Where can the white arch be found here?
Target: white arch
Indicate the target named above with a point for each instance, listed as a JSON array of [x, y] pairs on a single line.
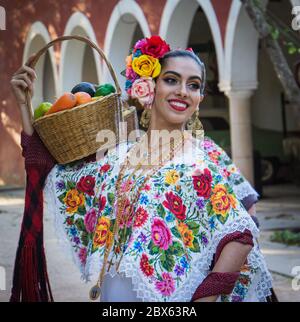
[[176, 23], [119, 34], [37, 38], [240, 50], [72, 52]]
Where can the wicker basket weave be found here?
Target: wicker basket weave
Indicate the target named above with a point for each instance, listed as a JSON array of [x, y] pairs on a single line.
[[70, 135]]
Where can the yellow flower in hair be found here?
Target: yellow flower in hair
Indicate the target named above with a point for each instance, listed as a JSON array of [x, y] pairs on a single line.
[[146, 66]]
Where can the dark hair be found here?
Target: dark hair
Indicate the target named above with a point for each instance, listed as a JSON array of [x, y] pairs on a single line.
[[190, 54]]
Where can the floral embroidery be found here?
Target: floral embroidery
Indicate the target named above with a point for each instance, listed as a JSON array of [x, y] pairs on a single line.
[[160, 234], [222, 200], [146, 268], [202, 183], [175, 205], [86, 184], [103, 234], [186, 234], [167, 285], [241, 286], [90, 220], [214, 156], [172, 177], [141, 217], [175, 219], [73, 200]]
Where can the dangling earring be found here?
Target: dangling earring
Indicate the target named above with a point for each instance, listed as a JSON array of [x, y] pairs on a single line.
[[195, 125], [145, 118]]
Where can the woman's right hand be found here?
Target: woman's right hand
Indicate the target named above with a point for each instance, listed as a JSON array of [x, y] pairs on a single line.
[[23, 79]]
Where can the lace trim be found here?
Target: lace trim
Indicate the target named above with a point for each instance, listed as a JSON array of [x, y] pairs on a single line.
[[244, 190]]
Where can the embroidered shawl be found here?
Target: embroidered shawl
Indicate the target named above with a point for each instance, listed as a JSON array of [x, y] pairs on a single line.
[[184, 211]]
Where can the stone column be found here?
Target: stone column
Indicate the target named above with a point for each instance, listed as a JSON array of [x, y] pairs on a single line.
[[241, 131]]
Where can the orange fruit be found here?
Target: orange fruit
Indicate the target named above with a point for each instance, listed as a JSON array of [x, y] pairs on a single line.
[[82, 98], [66, 101]]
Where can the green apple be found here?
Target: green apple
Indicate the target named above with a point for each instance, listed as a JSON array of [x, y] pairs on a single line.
[[41, 109]]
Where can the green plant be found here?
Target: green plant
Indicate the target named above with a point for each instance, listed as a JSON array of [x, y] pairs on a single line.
[[286, 237]]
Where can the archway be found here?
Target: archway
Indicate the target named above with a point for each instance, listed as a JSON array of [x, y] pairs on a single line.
[[186, 14], [78, 62], [126, 25], [45, 88]]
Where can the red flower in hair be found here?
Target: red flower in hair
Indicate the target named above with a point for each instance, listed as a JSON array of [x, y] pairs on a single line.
[[155, 47], [190, 49]]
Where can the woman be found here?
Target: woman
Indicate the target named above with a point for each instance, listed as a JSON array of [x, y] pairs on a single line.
[[168, 220]]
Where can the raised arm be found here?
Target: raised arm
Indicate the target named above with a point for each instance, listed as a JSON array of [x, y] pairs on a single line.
[[22, 80], [37, 157]]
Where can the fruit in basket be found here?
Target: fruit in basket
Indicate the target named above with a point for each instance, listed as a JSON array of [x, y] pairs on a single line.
[[84, 87], [65, 102], [82, 98], [41, 110], [105, 89], [95, 98]]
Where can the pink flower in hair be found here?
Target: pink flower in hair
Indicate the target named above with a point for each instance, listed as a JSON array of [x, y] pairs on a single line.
[[130, 74], [140, 44], [143, 90]]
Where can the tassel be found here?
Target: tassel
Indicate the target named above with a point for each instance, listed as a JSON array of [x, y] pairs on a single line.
[[31, 282]]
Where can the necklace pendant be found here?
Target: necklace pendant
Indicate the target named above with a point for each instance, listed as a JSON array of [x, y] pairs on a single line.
[[95, 292]]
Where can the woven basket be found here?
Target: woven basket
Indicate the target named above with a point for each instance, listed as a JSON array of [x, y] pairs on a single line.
[[70, 135]]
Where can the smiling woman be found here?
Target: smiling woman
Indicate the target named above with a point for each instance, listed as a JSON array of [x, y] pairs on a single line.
[[161, 219]]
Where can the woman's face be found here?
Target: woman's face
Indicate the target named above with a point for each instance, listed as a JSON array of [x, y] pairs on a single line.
[[177, 92]]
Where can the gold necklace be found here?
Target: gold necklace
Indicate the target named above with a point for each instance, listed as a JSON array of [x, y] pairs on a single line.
[[95, 291], [153, 170]]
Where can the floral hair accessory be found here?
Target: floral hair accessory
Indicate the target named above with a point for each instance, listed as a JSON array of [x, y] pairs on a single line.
[[143, 90], [190, 49], [142, 67]]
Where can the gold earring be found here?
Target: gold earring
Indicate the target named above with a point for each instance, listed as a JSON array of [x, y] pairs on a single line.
[[194, 124], [145, 118]]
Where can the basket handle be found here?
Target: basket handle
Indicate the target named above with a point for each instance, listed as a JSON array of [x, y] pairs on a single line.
[[31, 62]]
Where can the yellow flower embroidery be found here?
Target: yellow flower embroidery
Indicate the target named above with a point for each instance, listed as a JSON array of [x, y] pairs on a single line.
[[172, 177], [186, 234], [73, 200], [221, 200], [102, 233]]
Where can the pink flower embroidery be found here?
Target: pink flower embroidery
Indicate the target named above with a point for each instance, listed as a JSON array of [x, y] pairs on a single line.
[[207, 144], [90, 220], [167, 286], [161, 234], [127, 215], [82, 255]]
